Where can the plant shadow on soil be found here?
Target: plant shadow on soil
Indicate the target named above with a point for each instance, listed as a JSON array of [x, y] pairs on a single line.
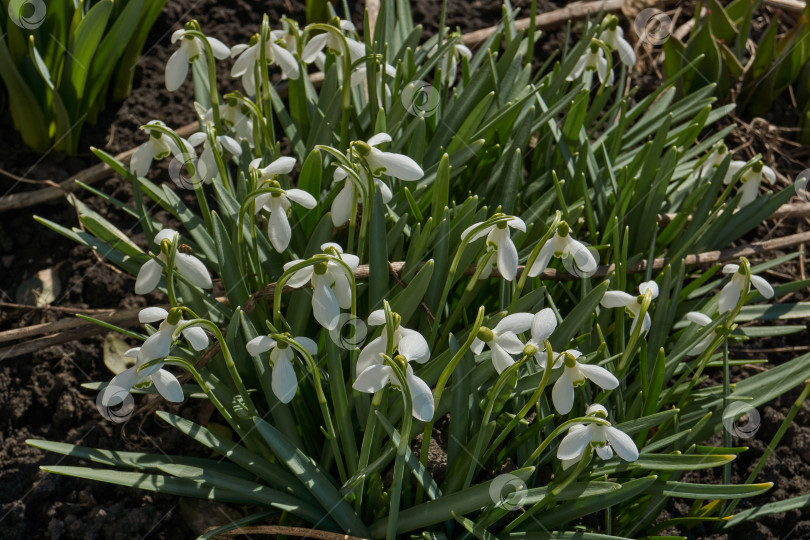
[[40, 393]]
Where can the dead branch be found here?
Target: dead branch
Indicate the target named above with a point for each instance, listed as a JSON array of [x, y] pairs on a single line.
[[290, 531]]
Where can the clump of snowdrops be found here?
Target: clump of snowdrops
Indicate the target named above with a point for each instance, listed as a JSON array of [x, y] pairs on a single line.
[[423, 251]]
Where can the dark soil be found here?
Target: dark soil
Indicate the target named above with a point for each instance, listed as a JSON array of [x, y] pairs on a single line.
[[40, 394]]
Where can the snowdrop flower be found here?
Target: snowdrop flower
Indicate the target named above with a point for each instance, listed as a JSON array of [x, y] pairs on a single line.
[[502, 340], [313, 50], [499, 241], [592, 60], [581, 438], [730, 294], [279, 202], [574, 375], [750, 179], [158, 146], [562, 246], [207, 164], [342, 204], [332, 288], [410, 344], [360, 77], [375, 374], [191, 47], [160, 343], [700, 319], [122, 384], [544, 323], [188, 266], [632, 304], [285, 382], [249, 56], [713, 160], [613, 37], [235, 118]]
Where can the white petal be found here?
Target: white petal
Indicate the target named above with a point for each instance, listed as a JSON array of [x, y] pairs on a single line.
[[517, 323], [768, 174], [192, 268], [325, 306], [373, 378], [259, 345], [156, 346], [477, 346], [622, 444], [379, 139], [574, 443], [310, 346], [614, 299], [543, 325], [313, 47], [301, 197], [421, 398], [600, 376], [385, 191], [510, 343], [582, 256], [168, 386], [283, 165], [237, 50], [731, 268], [651, 286], [517, 223], [370, 355], [177, 34], [698, 318], [626, 53], [342, 205], [118, 388], [343, 290], [152, 314], [148, 277], [220, 50], [395, 165], [230, 144], [604, 452], [543, 258], [176, 69], [507, 259], [285, 382], [750, 190], [377, 317], [500, 358], [196, 139], [563, 394], [300, 277], [286, 61], [728, 297], [278, 229], [762, 286], [196, 337], [483, 232], [601, 68], [579, 67], [141, 160], [414, 347]]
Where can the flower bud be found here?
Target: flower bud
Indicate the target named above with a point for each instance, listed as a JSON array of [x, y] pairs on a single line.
[[485, 334]]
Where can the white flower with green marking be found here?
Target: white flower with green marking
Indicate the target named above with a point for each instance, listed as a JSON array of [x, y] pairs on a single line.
[[284, 380], [592, 60], [502, 340], [584, 438], [574, 375], [186, 265], [750, 180], [632, 304], [564, 246], [729, 295], [158, 146], [122, 384], [191, 47], [499, 246], [249, 58], [613, 37]]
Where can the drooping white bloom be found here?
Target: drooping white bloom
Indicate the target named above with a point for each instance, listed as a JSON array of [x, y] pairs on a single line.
[[563, 246], [451, 60], [592, 60], [499, 241], [249, 56], [207, 164], [632, 304], [278, 203], [122, 384], [544, 323], [160, 343], [582, 438], [730, 294], [574, 375], [503, 340], [379, 163], [613, 37], [700, 319], [191, 47], [158, 146], [374, 374], [332, 288], [313, 50], [415, 347], [187, 265], [713, 160], [235, 118], [360, 77], [750, 180], [284, 382]]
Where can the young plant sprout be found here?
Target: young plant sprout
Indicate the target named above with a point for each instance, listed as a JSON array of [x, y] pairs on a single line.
[[604, 438], [633, 304], [284, 380], [187, 266], [498, 245], [573, 376]]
